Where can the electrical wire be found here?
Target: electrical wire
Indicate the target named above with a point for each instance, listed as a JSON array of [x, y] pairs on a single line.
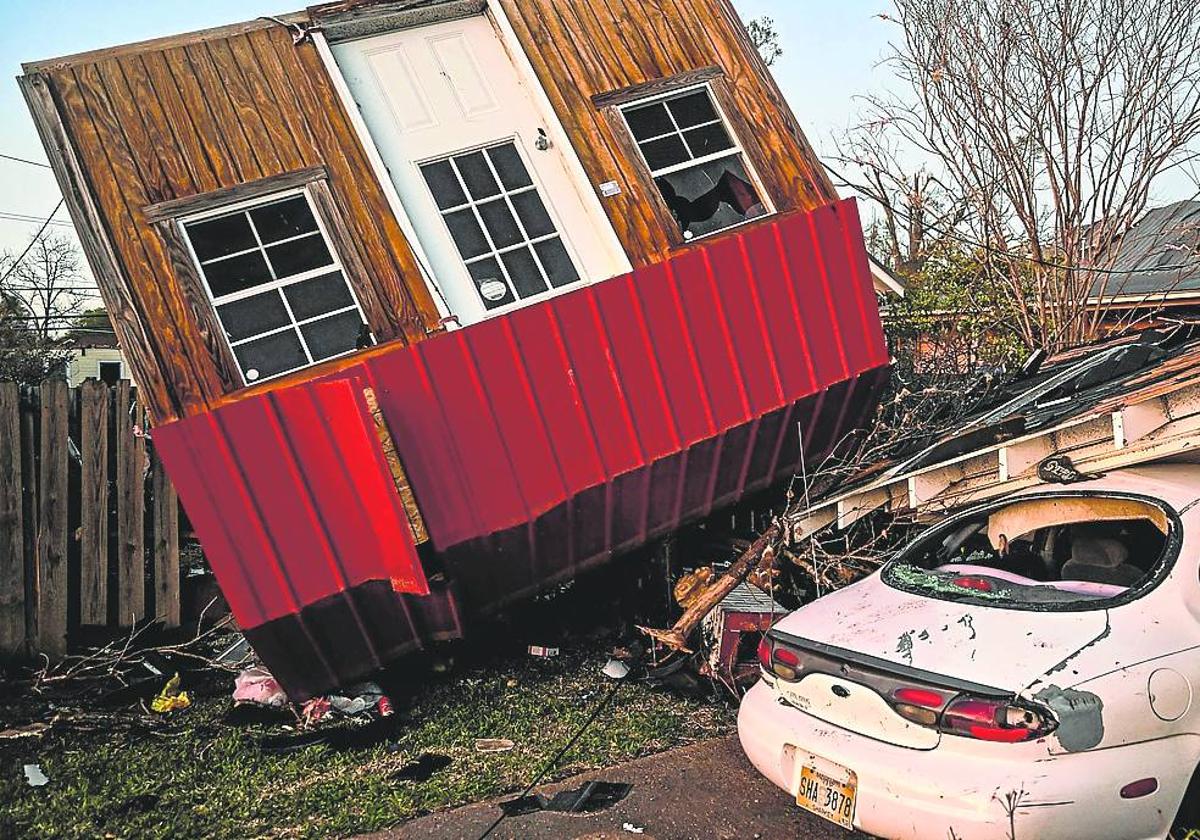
[[557, 757], [22, 217], [32, 242], [846, 182], [25, 160]]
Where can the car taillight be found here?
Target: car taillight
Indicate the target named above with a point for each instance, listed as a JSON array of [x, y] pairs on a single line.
[[764, 653], [919, 705], [988, 719]]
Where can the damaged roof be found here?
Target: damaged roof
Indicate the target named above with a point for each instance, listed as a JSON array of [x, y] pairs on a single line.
[[1158, 259], [1123, 401]]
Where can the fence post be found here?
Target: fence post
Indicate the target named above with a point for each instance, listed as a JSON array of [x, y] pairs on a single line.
[[131, 510], [12, 538], [52, 520], [93, 516], [166, 547]]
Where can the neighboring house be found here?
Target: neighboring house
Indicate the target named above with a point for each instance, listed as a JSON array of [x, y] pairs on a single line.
[[527, 283], [1155, 265], [95, 355]]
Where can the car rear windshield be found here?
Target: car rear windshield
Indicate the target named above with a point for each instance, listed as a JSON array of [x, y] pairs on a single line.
[[1066, 552]]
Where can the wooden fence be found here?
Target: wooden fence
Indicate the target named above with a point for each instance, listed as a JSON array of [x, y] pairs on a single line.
[[89, 528]]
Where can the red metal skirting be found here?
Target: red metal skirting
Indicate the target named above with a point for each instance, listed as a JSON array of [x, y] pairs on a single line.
[[539, 442]]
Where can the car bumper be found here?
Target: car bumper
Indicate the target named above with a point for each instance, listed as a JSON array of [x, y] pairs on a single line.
[[959, 789]]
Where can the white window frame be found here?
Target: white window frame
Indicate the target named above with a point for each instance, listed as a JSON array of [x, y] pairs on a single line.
[[735, 150], [495, 253], [276, 283]]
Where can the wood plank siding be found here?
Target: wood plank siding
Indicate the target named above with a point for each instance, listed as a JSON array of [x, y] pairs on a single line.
[[187, 116], [136, 131], [585, 50]]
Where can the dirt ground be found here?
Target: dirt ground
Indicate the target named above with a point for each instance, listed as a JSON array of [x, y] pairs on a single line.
[[703, 790]]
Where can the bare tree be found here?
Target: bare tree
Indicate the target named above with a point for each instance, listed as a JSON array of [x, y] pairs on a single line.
[[49, 283], [1042, 125], [765, 38]]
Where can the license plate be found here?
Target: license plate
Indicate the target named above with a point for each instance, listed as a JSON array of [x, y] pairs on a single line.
[[828, 796]]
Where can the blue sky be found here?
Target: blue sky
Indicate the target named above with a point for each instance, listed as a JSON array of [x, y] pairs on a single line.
[[830, 54]]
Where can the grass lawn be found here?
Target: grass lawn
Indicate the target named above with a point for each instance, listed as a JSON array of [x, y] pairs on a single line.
[[194, 775]]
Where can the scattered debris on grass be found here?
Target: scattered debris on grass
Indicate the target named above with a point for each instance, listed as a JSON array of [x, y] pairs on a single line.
[[493, 745], [34, 775], [171, 698]]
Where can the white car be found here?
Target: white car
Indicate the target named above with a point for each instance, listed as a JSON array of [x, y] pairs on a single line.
[[1024, 669]]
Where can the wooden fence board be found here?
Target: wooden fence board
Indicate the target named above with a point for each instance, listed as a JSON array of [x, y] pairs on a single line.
[[131, 511], [165, 547], [12, 537], [93, 520], [52, 524]]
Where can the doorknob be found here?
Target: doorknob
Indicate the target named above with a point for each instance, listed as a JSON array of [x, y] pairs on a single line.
[[542, 143]]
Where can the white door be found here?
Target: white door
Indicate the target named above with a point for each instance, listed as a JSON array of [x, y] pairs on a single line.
[[492, 201]]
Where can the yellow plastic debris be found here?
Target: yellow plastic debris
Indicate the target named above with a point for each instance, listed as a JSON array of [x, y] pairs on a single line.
[[170, 698]]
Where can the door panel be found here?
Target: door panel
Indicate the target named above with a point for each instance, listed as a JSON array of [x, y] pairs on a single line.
[[498, 214]]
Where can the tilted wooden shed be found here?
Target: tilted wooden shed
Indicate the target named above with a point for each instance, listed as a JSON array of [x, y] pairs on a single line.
[[435, 304]]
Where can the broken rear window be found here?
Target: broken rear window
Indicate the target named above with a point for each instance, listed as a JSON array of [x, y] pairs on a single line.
[[1043, 552]]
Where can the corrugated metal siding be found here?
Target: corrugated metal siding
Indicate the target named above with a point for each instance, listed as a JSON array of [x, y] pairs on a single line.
[[540, 442]]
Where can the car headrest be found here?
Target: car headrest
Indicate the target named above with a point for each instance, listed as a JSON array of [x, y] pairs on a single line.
[[1098, 551]]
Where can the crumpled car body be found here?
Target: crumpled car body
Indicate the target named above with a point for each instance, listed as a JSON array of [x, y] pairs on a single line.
[[1005, 674]]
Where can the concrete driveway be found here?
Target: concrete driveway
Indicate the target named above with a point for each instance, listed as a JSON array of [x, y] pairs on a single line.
[[704, 790]]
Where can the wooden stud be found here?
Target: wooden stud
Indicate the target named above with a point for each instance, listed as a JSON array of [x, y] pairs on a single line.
[[415, 521]]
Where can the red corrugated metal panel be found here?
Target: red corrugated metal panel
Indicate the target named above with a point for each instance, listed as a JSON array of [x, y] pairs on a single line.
[[540, 442], [294, 505]]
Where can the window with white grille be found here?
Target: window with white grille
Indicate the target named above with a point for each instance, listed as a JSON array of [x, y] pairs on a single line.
[[280, 293], [500, 225], [695, 161]]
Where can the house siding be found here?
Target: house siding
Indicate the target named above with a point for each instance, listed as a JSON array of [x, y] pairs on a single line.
[[208, 113], [586, 49]]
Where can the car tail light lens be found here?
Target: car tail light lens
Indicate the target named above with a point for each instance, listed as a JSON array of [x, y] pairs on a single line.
[[785, 662], [988, 719], [919, 705], [764, 653]]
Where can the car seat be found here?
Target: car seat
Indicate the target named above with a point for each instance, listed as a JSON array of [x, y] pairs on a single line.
[[1100, 560]]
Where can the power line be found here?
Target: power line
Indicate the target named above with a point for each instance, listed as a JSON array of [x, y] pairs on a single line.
[[26, 160], [22, 217], [957, 237], [29, 247]]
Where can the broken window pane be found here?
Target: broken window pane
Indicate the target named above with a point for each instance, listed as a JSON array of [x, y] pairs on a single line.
[[1042, 551], [695, 161], [711, 196]]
